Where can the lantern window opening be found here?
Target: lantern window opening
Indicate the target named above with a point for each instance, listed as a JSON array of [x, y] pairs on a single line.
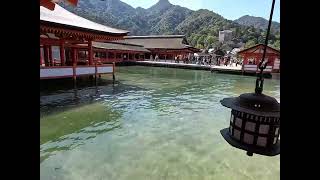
[[252, 132]]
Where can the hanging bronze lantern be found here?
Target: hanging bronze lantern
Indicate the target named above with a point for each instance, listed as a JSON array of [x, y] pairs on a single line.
[[255, 117], [254, 123]]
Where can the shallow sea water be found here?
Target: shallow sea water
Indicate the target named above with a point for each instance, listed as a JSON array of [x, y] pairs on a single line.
[[153, 123]]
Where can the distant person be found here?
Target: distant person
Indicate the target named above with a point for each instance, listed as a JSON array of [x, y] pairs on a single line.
[[151, 57], [189, 58], [156, 58]]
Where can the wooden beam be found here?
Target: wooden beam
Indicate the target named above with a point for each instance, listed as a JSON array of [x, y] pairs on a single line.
[[78, 33], [57, 42]]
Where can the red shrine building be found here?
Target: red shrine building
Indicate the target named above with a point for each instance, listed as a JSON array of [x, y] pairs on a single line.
[[253, 55], [51, 4], [72, 46], [165, 46], [66, 43], [118, 52]]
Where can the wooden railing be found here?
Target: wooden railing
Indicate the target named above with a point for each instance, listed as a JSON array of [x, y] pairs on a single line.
[[254, 68], [55, 72]]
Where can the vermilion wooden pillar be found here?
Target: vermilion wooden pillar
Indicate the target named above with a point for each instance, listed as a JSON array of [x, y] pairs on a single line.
[[90, 52], [74, 63], [62, 53], [50, 56], [245, 59], [74, 56], [46, 55], [41, 58], [107, 56], [271, 60]]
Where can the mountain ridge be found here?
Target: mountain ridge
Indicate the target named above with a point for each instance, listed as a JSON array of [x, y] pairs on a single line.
[[165, 18], [257, 22]]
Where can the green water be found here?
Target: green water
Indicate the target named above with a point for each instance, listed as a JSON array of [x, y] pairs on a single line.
[[154, 123]]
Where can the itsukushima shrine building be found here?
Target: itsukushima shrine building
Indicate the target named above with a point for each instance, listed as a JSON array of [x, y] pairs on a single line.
[[109, 52], [134, 48], [72, 46], [165, 46], [253, 55], [72, 38]]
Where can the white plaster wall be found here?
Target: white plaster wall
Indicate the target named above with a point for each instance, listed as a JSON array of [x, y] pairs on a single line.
[[54, 72], [85, 70], [107, 69]]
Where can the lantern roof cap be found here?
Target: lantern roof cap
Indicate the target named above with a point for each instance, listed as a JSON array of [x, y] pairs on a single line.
[[253, 103]]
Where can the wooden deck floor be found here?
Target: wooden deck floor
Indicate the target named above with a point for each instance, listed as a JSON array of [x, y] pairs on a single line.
[[230, 69]]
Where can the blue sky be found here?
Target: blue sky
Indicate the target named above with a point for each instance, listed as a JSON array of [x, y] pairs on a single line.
[[230, 9]]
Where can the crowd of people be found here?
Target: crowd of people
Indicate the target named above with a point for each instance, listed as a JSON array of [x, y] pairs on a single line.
[[202, 60], [220, 61]]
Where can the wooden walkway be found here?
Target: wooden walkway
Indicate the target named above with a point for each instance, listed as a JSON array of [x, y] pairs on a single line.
[[223, 69]]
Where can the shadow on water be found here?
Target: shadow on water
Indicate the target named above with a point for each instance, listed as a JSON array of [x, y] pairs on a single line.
[[70, 116], [61, 94]]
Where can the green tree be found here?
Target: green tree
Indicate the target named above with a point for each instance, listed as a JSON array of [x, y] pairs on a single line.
[[210, 40], [276, 44], [201, 40], [226, 47], [199, 46], [250, 43], [194, 40]]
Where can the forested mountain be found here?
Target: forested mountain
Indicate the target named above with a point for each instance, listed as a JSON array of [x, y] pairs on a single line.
[[201, 27], [258, 22]]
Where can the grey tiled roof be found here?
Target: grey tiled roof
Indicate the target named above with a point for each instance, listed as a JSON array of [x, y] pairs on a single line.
[[158, 41], [119, 46]]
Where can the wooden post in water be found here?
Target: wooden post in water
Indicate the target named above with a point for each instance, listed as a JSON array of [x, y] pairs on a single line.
[[41, 58], [74, 65], [113, 76], [95, 71], [90, 52]]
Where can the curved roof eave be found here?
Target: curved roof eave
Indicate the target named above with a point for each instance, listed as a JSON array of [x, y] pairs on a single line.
[[63, 17]]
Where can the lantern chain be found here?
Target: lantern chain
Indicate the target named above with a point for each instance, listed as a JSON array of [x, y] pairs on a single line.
[[263, 64]]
